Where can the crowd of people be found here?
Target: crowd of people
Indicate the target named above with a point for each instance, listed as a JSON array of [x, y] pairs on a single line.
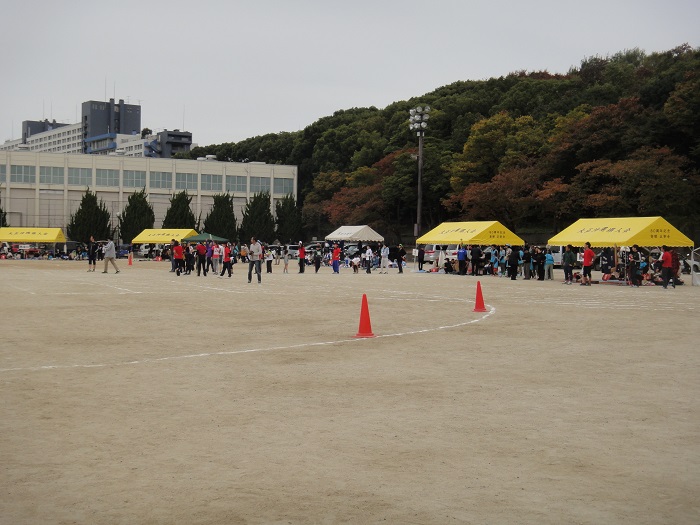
[[631, 265]]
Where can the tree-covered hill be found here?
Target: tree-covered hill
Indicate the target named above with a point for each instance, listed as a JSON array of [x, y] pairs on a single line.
[[616, 136]]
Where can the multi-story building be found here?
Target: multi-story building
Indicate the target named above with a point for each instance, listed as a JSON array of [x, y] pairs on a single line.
[[103, 128], [40, 189]]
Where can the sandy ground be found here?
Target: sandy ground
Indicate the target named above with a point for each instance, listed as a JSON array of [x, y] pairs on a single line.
[[146, 398]]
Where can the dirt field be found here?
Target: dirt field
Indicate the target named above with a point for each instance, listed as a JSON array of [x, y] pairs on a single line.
[[143, 398]]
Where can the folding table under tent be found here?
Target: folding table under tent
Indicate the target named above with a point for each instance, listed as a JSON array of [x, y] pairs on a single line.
[[32, 235], [355, 234], [622, 231], [481, 233], [162, 236]]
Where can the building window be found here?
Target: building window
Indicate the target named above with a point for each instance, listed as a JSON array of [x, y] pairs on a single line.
[[51, 175], [107, 178], [134, 179], [24, 174], [186, 181], [212, 182], [284, 186], [79, 176], [162, 179], [259, 184], [236, 183], [3, 175]]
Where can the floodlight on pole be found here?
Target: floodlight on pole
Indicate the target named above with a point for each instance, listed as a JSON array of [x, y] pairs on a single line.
[[418, 122]]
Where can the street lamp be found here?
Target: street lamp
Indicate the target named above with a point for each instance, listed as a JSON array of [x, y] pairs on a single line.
[[418, 123]]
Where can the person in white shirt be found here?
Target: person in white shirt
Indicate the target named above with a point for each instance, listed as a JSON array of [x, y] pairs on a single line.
[[254, 256], [268, 260], [369, 255], [384, 252]]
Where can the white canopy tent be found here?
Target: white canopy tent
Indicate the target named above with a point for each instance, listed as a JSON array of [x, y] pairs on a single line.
[[355, 234]]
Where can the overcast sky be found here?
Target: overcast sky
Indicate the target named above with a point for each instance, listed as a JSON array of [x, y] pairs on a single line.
[[226, 70]]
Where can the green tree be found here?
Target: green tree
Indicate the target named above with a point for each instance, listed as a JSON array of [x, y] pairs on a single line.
[[137, 216], [257, 219], [179, 214], [3, 217], [288, 219], [221, 220], [91, 218]]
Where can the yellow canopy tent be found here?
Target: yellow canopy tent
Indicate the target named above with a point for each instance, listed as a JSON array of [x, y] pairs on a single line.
[[32, 235], [478, 232], [621, 231], [162, 236]]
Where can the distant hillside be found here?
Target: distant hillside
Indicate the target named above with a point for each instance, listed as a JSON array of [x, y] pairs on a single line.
[[619, 135]]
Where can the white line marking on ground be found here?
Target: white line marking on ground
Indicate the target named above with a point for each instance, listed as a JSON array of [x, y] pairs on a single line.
[[491, 311]]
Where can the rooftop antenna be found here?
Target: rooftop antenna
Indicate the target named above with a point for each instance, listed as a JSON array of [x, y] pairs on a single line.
[[105, 89], [183, 117]]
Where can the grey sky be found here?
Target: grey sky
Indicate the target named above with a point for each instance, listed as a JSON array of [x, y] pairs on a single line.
[[234, 69]]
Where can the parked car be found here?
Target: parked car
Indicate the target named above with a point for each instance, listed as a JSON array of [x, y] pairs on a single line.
[[293, 250], [314, 247], [123, 251], [351, 249], [451, 251], [432, 252]]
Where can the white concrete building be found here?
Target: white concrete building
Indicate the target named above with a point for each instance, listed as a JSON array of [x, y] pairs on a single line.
[[44, 189], [65, 139]]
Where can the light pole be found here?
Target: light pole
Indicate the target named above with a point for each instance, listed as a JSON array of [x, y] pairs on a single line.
[[418, 123]]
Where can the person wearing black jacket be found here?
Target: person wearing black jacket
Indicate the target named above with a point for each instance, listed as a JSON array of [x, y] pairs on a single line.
[[513, 260], [540, 258], [92, 254], [476, 259], [401, 258]]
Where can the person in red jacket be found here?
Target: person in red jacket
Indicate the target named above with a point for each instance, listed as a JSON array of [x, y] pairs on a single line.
[[667, 267], [179, 258], [336, 259], [302, 257], [588, 258], [201, 258], [227, 260]]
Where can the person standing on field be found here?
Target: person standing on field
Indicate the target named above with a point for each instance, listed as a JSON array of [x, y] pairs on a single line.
[[667, 267], [384, 253], [110, 255], [336, 259], [568, 260], [588, 258], [254, 260], [401, 258], [302, 257], [92, 254]]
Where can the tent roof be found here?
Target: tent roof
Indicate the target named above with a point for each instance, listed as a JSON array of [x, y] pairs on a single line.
[[204, 236], [162, 236], [475, 232], [621, 231], [354, 233], [45, 235]]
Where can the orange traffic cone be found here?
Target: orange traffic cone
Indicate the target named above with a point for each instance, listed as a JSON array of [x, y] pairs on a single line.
[[479, 306], [365, 329], [131, 259]]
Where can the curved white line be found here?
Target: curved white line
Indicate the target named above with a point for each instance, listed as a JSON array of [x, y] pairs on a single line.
[[250, 350]]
